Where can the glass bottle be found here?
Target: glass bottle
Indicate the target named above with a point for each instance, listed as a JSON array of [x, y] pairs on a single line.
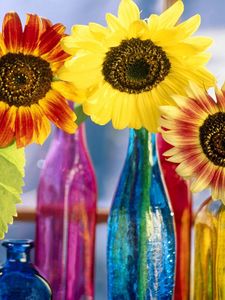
[[141, 243], [19, 279], [66, 218], [180, 197], [209, 249]]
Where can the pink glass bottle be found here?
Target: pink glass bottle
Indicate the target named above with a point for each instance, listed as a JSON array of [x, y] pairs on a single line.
[[180, 197], [66, 218]]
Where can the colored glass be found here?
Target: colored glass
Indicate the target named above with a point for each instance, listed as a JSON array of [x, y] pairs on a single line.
[[180, 198], [141, 242], [66, 218], [19, 279], [209, 246]]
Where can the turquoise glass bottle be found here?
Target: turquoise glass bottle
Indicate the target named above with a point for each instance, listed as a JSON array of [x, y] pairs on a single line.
[[141, 241]]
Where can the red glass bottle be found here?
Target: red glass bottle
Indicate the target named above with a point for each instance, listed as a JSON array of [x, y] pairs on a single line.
[[180, 197]]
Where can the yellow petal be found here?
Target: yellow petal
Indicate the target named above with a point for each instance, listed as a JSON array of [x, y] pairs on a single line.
[[201, 43], [98, 31], [128, 12], [170, 16], [204, 178], [81, 31], [120, 119], [68, 90], [148, 111], [113, 23], [100, 105], [138, 29], [189, 26]]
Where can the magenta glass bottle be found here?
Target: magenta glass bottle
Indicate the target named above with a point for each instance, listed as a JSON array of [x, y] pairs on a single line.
[[66, 218]]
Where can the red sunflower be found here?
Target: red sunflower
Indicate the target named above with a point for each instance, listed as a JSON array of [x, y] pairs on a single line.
[[30, 93], [196, 129]]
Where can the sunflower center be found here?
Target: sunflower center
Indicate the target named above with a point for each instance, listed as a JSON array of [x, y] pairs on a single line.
[[212, 138], [135, 66], [24, 79]]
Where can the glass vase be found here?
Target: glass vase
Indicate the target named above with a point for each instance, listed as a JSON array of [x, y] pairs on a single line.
[[209, 247], [66, 218], [19, 279], [141, 242], [181, 201]]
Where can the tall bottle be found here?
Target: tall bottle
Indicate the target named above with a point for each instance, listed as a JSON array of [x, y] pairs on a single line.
[[180, 197], [19, 279], [141, 243], [66, 218]]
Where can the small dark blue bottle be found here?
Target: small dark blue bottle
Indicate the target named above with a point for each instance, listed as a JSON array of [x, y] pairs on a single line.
[[19, 280]]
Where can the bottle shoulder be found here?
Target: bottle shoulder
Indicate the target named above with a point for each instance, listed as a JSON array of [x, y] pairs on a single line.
[[23, 281]]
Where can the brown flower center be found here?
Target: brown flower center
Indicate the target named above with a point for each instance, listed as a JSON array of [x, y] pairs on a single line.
[[135, 66], [24, 79], [212, 138]]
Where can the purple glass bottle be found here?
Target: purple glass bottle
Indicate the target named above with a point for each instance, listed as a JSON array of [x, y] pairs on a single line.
[[66, 218]]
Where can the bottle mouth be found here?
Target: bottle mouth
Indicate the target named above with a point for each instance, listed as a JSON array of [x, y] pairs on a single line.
[[15, 242]]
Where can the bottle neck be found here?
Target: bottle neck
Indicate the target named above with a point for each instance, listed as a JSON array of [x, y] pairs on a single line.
[[139, 144], [78, 137], [18, 251]]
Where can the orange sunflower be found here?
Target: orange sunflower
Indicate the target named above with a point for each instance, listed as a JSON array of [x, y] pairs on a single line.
[[30, 93], [196, 129]]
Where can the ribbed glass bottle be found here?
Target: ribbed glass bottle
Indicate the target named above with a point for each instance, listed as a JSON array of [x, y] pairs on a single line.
[[66, 218], [141, 242], [209, 247]]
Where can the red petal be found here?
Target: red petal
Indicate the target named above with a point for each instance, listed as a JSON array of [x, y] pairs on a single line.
[[7, 125], [12, 32], [58, 111], [31, 33], [56, 55], [23, 127], [42, 126], [50, 38], [45, 24]]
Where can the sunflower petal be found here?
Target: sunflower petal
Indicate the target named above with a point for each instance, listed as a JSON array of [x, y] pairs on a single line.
[[41, 124], [204, 179], [12, 32], [7, 125], [67, 90], [50, 38], [23, 127], [128, 12], [46, 24], [114, 23], [189, 26], [171, 16], [31, 33], [57, 110]]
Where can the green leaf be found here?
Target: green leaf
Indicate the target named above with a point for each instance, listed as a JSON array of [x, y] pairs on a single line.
[[81, 116], [12, 162]]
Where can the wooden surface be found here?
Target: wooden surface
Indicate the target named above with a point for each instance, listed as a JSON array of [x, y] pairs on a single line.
[[169, 2], [28, 215]]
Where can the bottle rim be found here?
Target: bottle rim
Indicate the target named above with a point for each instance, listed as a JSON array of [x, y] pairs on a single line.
[[18, 242]]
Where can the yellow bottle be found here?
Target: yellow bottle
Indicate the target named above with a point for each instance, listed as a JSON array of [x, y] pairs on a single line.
[[209, 259]]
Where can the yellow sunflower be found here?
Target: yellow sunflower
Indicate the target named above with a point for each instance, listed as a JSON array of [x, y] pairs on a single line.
[[30, 94], [133, 66], [196, 129]]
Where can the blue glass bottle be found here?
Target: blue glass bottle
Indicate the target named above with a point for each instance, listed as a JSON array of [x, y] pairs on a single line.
[[19, 280], [141, 241]]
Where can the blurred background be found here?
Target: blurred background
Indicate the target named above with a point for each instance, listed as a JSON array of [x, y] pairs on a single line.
[[107, 146]]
